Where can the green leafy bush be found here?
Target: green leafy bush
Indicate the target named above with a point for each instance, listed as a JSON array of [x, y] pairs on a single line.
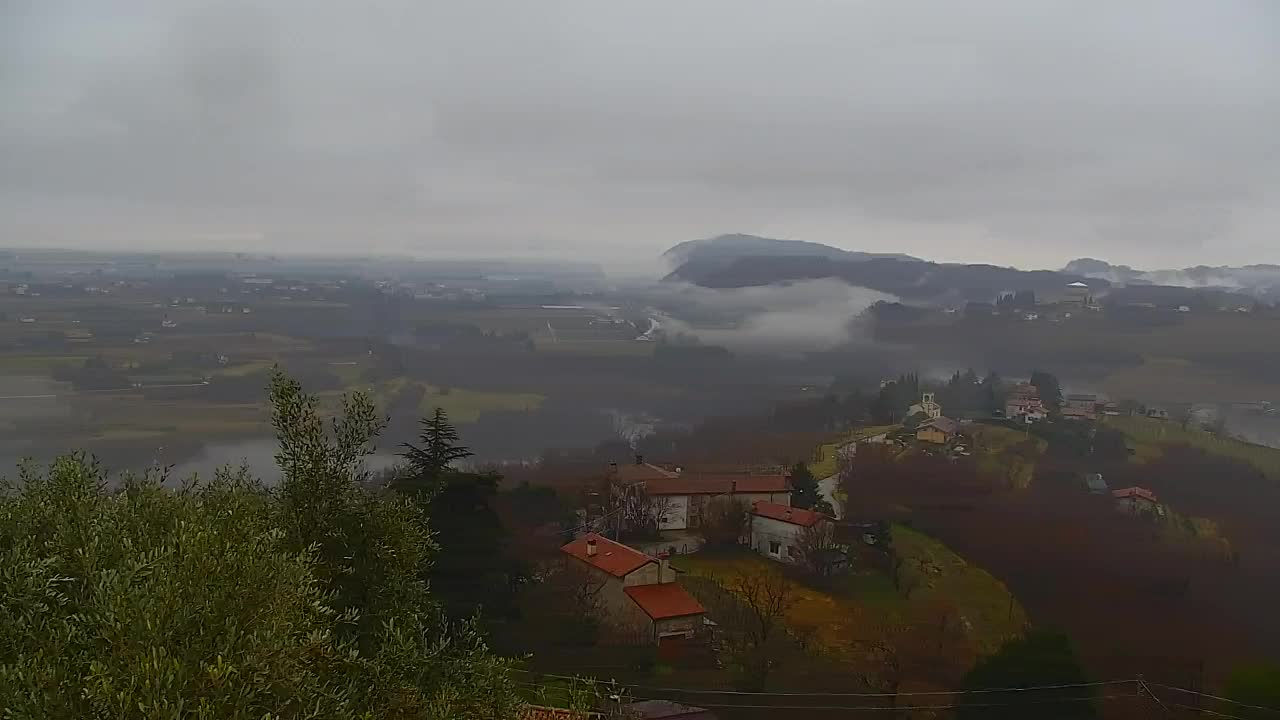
[[229, 600]]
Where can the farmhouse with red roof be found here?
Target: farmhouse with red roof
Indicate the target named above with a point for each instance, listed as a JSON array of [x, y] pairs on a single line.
[[634, 595], [776, 529]]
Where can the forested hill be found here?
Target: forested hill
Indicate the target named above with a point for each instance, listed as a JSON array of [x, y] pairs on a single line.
[[726, 248], [734, 261], [906, 278]]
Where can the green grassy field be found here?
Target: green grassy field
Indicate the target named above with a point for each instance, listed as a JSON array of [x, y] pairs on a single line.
[[985, 603], [37, 364], [1148, 436], [1005, 453], [861, 606], [466, 406], [462, 405], [826, 458]]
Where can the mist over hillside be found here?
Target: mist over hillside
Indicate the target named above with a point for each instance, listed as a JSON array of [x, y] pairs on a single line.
[[1260, 280], [736, 261], [791, 317]]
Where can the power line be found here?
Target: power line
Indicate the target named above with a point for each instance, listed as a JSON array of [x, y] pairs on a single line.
[[896, 708], [1206, 711], [975, 691], [1219, 698], [1142, 687]]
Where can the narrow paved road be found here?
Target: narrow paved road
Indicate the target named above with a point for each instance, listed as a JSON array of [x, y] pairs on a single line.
[[827, 488]]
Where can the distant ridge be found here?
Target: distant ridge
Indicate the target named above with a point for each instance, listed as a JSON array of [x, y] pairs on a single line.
[[738, 260], [737, 245], [712, 253], [1258, 280]]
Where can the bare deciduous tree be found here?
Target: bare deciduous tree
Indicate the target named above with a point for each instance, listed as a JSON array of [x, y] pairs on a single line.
[[723, 520], [817, 549], [767, 596], [633, 512]]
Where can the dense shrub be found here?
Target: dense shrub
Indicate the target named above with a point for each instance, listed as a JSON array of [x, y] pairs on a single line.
[[231, 601]]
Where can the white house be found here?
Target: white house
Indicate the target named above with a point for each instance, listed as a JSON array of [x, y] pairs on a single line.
[[775, 529], [683, 497]]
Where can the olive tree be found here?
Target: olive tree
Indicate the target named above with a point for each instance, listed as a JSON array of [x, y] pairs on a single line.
[[228, 600]]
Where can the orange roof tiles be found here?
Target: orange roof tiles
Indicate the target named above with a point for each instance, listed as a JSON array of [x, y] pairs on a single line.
[[614, 558], [689, 484], [795, 516], [667, 600], [538, 712], [1130, 492]]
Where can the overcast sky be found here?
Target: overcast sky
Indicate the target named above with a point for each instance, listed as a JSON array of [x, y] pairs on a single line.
[[1018, 132]]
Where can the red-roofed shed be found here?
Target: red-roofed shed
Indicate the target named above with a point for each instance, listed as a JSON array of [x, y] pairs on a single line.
[[664, 601], [604, 554]]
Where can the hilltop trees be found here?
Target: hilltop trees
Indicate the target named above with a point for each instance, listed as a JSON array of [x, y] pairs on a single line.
[[472, 568], [1050, 390], [1037, 660], [1257, 685], [231, 601], [804, 487], [890, 405], [438, 451]]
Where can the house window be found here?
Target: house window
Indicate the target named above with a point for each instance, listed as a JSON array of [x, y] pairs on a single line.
[[775, 548], [791, 551]]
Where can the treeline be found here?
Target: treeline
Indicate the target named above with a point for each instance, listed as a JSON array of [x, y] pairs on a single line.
[[1185, 607]]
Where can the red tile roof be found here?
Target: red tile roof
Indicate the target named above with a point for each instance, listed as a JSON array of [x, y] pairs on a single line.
[[631, 472], [689, 484], [795, 516], [538, 712], [665, 710], [1131, 492], [667, 600], [614, 558], [945, 424]]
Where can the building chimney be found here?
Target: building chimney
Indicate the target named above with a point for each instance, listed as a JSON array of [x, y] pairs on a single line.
[[639, 459], [733, 487], [613, 468], [591, 547], [664, 568]]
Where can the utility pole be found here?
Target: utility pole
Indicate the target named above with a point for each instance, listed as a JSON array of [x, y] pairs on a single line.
[[1144, 690]]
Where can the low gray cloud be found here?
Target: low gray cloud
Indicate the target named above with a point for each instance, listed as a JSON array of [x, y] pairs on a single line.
[[1013, 132], [798, 317]]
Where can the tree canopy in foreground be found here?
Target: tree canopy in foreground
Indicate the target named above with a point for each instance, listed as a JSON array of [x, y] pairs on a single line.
[[230, 600]]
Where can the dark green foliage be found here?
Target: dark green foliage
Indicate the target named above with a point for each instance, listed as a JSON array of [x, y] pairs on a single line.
[[804, 487], [890, 405], [231, 601], [967, 394], [1257, 685], [992, 393], [723, 522], [1050, 390], [472, 570], [438, 451], [535, 505], [1036, 660]]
